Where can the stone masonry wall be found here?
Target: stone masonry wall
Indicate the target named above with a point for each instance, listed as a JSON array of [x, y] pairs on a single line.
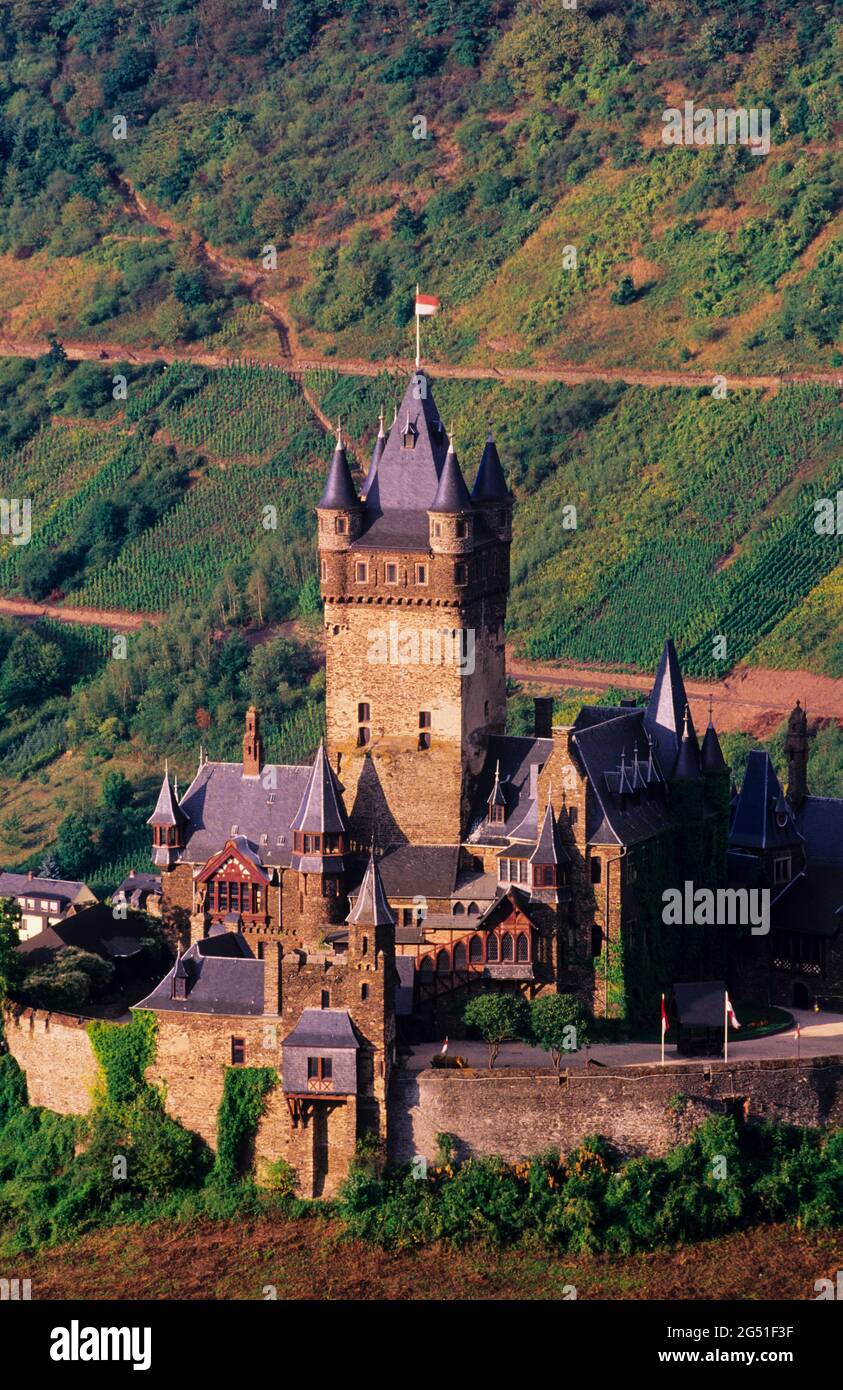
[[55, 1052], [516, 1113]]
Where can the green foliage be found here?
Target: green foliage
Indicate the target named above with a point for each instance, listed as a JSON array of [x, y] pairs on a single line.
[[70, 981], [11, 964], [559, 1024], [244, 1096], [497, 1016], [591, 1202], [124, 1051]]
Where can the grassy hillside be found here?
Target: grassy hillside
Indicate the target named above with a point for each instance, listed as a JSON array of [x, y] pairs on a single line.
[[496, 135], [694, 515]]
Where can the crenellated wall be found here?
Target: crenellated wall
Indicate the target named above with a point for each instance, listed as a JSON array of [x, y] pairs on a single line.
[[55, 1052]]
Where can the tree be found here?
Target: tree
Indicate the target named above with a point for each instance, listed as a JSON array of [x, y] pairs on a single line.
[[558, 1023], [496, 1017], [11, 962], [625, 292]]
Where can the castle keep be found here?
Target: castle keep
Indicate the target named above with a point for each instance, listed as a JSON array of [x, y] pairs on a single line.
[[324, 911]]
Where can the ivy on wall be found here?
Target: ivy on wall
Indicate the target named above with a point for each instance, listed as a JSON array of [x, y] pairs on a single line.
[[124, 1051], [243, 1100]]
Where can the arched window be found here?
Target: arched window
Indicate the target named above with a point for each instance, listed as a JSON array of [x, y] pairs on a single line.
[[506, 946], [475, 950], [492, 947], [457, 910], [443, 963], [426, 966], [459, 956], [364, 946], [522, 948], [473, 910]]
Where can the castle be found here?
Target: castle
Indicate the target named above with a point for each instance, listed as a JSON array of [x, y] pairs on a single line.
[[326, 911]]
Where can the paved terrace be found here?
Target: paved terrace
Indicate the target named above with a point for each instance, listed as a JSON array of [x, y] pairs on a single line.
[[822, 1036]]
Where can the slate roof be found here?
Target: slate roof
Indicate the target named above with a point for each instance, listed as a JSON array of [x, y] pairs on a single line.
[[371, 908], [490, 483], [759, 804], [515, 756], [812, 903], [452, 495], [614, 818], [550, 849], [701, 1004], [406, 480], [137, 886], [666, 707], [225, 979], [820, 821], [321, 810], [220, 797], [166, 808], [93, 929], [380, 445], [323, 1029], [407, 871], [61, 890], [340, 491], [711, 758]]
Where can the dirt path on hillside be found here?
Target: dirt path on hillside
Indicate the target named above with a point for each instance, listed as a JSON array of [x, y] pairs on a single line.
[[106, 351], [94, 617], [750, 699]]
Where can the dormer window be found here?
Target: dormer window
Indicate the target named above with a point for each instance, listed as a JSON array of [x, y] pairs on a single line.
[[409, 436], [497, 815]]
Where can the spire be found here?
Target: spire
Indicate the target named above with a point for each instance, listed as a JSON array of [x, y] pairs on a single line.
[[380, 445], [339, 491], [665, 712], [371, 908], [167, 810], [687, 762], [452, 495], [408, 468], [549, 849], [711, 758], [321, 810], [490, 483]]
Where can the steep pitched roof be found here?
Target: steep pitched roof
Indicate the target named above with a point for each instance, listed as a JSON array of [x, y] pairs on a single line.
[[321, 810], [665, 710], [452, 495], [614, 817], [323, 1028], [407, 479], [409, 871], [490, 483], [759, 808], [820, 821], [339, 485], [224, 978], [371, 908], [380, 445], [712, 759], [509, 759], [166, 811], [550, 849], [221, 803], [687, 765]]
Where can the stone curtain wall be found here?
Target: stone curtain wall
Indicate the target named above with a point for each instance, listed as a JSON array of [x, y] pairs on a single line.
[[55, 1052], [640, 1109]]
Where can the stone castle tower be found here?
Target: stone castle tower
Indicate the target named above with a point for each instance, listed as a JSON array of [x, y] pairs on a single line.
[[414, 579]]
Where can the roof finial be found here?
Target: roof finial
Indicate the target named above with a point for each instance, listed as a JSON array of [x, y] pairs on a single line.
[[685, 733], [380, 422], [339, 432], [166, 767], [490, 437], [711, 709]]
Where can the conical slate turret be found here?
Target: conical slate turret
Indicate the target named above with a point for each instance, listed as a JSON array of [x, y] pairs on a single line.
[[687, 761], [340, 493], [490, 483], [371, 908], [664, 716], [452, 495], [321, 811]]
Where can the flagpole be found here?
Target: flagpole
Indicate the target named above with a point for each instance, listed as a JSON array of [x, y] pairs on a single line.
[[418, 334], [725, 1025], [663, 1030]]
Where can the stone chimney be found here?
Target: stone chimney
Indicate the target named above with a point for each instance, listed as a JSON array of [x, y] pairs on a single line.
[[252, 744], [272, 977], [543, 716]]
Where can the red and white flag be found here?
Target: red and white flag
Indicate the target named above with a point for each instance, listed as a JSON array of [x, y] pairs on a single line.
[[664, 1020], [425, 304], [444, 1048], [730, 1013], [798, 1034]]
